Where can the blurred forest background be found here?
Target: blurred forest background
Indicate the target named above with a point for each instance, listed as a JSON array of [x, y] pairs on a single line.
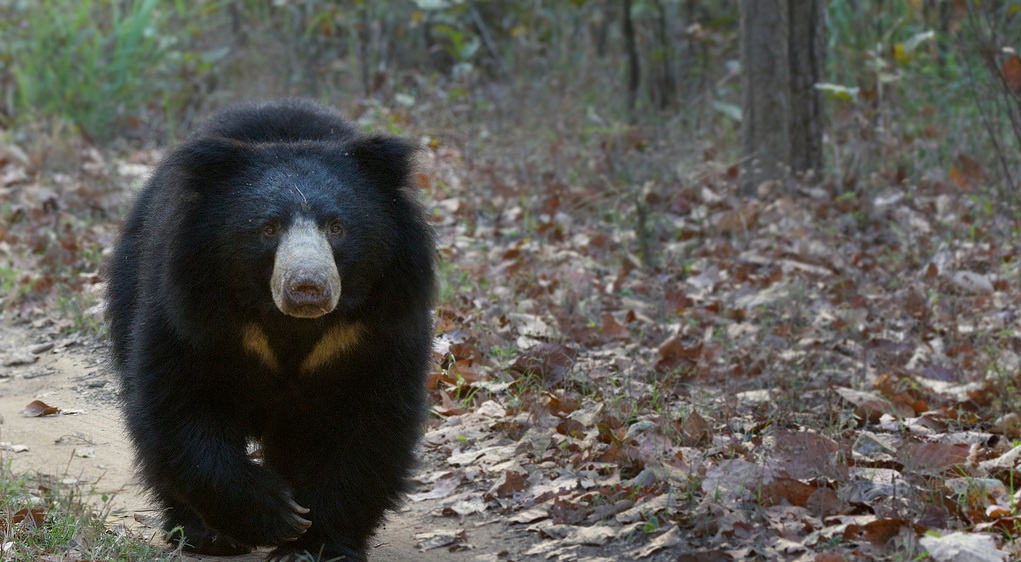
[[608, 282], [635, 98], [906, 81]]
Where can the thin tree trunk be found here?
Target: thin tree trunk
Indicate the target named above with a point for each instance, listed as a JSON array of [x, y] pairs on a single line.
[[633, 69], [807, 47], [766, 111], [666, 89]]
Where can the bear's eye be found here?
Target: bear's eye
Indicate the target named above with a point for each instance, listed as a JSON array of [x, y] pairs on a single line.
[[336, 228], [270, 230]]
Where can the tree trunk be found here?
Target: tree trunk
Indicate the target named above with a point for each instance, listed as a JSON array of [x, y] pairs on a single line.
[[783, 47], [664, 90], [807, 47], [766, 111], [634, 78]]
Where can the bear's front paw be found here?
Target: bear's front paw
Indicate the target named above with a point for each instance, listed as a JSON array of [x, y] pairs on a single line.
[[265, 519], [296, 524]]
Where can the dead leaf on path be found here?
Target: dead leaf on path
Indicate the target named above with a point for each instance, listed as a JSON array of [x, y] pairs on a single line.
[[595, 535], [933, 457], [566, 512], [870, 407], [447, 406], [677, 354], [550, 361], [666, 540], [1005, 463], [511, 482], [804, 455], [441, 489], [437, 539], [793, 492], [612, 328], [36, 516], [695, 429], [529, 516], [880, 531], [963, 546], [38, 408], [470, 503]]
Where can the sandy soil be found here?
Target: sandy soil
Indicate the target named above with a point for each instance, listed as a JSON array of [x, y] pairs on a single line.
[[86, 442]]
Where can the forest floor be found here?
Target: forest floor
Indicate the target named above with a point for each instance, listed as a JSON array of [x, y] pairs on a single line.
[[661, 370], [84, 445]]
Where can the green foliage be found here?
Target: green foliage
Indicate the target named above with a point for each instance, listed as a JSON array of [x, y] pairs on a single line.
[[95, 63], [913, 88]]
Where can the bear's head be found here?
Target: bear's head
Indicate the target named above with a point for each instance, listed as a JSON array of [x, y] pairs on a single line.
[[300, 228]]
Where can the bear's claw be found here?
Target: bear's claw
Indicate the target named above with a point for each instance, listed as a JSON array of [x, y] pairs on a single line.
[[297, 523]]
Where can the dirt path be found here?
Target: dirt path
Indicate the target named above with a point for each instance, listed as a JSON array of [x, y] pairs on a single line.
[[87, 443]]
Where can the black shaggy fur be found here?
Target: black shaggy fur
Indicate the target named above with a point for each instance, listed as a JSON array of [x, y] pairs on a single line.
[[208, 362]]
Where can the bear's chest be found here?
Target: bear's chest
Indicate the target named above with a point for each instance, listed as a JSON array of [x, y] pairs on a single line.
[[305, 353]]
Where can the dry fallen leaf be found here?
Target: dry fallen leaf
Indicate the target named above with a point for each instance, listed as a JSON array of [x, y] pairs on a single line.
[[437, 539], [13, 447], [550, 361], [971, 282], [594, 535], [805, 454], [510, 482], [932, 458], [38, 408], [36, 516], [695, 430], [871, 407], [970, 547], [1011, 71], [1008, 424], [441, 489], [665, 540], [529, 516]]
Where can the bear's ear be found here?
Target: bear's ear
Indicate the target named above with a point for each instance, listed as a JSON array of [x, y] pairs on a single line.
[[387, 161], [210, 158]]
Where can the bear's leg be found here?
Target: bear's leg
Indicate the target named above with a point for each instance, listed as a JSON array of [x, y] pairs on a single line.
[[217, 485], [347, 478], [195, 452], [339, 531]]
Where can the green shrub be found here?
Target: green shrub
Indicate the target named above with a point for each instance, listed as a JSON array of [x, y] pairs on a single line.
[[95, 63]]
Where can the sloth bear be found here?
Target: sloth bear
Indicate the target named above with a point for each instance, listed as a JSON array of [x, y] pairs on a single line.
[[274, 284]]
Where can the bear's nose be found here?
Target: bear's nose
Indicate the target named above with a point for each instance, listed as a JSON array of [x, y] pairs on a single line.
[[306, 289]]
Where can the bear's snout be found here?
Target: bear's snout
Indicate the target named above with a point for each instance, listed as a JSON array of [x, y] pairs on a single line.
[[305, 281]]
